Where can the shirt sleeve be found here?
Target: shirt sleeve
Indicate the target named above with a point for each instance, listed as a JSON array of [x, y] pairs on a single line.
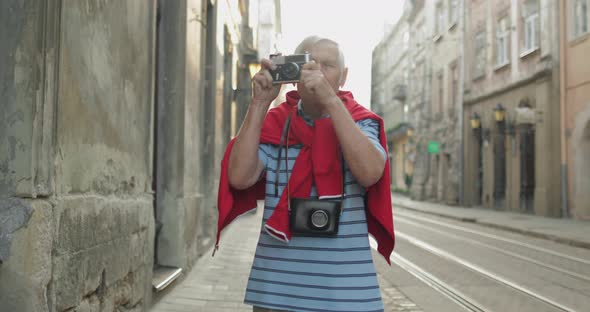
[[264, 152], [370, 127]]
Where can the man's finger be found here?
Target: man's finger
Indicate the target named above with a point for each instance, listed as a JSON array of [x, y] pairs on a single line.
[[267, 64], [260, 79], [309, 73], [311, 65], [267, 78]]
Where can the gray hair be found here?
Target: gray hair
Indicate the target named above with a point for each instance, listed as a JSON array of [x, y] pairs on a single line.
[[312, 40]]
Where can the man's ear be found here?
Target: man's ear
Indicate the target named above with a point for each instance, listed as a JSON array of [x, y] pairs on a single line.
[[343, 77]]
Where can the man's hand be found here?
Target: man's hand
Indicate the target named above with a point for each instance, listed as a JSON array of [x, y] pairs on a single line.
[[244, 165], [263, 91], [318, 86]]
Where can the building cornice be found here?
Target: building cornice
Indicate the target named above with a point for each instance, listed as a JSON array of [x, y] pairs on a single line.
[[517, 84]]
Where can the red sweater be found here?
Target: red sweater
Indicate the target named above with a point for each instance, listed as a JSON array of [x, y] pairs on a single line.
[[322, 160]]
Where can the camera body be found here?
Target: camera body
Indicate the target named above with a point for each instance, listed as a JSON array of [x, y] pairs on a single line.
[[312, 217], [288, 67]]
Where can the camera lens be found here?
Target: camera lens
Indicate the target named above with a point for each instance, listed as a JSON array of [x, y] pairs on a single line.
[[319, 219], [290, 71]]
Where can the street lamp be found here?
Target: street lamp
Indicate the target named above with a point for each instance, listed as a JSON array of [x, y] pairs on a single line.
[[253, 68], [475, 121], [499, 113]]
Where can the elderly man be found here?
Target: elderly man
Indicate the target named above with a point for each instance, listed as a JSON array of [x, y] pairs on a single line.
[[320, 146]]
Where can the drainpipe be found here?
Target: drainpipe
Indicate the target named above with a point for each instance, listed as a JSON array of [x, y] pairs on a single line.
[[562, 106], [461, 117]]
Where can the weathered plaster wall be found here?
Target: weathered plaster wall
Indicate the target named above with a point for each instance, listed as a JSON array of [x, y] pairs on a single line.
[[25, 225], [105, 101], [103, 215], [19, 33]]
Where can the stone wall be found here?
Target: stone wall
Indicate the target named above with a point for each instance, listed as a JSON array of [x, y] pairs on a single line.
[[113, 123], [103, 213], [76, 155]]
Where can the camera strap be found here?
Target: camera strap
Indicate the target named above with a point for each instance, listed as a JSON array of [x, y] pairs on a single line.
[[284, 142]]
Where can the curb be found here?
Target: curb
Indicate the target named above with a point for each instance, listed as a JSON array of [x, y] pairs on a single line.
[[557, 239]]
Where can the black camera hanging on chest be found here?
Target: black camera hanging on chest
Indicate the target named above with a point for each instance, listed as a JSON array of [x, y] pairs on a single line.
[[309, 217]]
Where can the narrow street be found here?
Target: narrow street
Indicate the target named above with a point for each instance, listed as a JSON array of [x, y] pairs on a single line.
[[443, 265]]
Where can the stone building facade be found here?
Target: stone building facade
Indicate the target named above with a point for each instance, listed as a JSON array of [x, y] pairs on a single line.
[[389, 85], [425, 47], [483, 100], [445, 78], [113, 121], [419, 94], [511, 94], [575, 106]]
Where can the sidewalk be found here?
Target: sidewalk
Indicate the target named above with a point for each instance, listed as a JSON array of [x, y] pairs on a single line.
[[218, 283], [566, 231]]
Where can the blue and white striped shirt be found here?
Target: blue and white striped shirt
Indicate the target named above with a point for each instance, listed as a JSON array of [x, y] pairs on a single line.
[[313, 273]]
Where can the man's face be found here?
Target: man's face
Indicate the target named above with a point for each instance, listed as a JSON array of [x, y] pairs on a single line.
[[326, 54]]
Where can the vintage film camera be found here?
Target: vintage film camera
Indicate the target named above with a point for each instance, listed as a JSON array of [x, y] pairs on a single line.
[[312, 217], [288, 67]]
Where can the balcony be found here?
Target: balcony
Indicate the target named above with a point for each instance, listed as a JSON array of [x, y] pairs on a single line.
[[399, 92], [399, 131], [247, 46]]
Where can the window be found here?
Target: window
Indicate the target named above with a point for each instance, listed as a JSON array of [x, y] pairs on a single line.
[[580, 26], [406, 76], [453, 11], [406, 40], [419, 34], [531, 25], [502, 37], [418, 79], [454, 85], [440, 18], [480, 55], [440, 91]]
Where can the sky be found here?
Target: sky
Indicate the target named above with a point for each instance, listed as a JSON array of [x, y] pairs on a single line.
[[356, 25]]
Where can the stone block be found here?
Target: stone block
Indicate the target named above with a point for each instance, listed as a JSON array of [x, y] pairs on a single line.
[[91, 304], [95, 271], [68, 281], [84, 222], [25, 275], [94, 259], [14, 214], [128, 294], [141, 284]]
